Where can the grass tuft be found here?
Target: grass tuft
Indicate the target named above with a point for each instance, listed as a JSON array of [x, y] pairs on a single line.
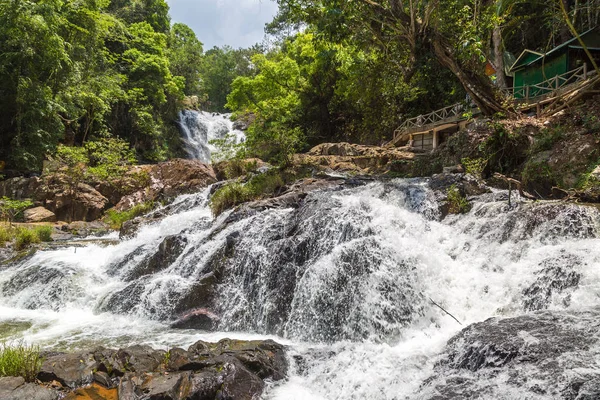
[[5, 235], [457, 203], [25, 237], [20, 360], [258, 187], [44, 233], [116, 219]]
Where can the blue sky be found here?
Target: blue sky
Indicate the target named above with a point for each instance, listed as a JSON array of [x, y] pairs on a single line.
[[238, 23]]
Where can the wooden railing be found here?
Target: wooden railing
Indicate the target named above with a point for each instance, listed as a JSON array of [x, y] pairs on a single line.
[[422, 122], [529, 94], [525, 94]]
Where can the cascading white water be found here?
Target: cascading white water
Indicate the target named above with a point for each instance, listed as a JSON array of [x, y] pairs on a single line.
[[348, 281], [198, 129]]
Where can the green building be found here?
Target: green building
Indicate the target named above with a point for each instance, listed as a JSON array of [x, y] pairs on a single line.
[[532, 68]]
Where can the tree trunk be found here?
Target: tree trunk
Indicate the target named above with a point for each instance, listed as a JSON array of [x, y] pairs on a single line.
[[498, 57], [478, 86], [565, 33]]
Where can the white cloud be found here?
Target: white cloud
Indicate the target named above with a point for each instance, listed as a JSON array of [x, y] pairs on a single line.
[[238, 23]]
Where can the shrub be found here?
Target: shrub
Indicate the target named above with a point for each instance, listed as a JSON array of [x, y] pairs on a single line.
[[20, 360], [547, 138], [5, 235], [474, 166], [10, 209], [426, 166], [227, 149], [228, 196], [538, 177], [117, 218], [44, 233], [259, 186], [265, 184], [504, 150], [25, 237], [457, 203]]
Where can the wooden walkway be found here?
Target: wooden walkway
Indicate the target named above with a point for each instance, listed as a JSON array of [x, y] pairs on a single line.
[[524, 99], [444, 118]]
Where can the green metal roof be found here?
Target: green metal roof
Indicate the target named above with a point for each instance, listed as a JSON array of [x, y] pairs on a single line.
[[572, 43], [522, 59]]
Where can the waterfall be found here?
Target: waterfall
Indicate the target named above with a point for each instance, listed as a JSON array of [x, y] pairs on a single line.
[[198, 129], [352, 281]]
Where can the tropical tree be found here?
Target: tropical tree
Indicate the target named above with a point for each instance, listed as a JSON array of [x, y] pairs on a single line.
[[185, 55], [455, 32]]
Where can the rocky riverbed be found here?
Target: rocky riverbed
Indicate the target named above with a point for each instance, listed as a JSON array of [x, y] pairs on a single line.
[[229, 369]]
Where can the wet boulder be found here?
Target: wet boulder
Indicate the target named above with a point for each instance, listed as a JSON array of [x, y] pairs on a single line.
[[529, 356], [172, 386], [139, 358], [86, 204], [199, 296], [239, 383], [554, 282], [168, 180], [265, 358], [168, 251], [15, 388], [70, 370], [201, 319]]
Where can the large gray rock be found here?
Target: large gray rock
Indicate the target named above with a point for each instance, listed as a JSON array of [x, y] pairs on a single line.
[[172, 386], [532, 356], [168, 251], [202, 319], [168, 180], [15, 388], [20, 188], [229, 369], [71, 370], [39, 214]]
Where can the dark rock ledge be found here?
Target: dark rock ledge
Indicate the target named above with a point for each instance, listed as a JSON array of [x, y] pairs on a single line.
[[228, 370]]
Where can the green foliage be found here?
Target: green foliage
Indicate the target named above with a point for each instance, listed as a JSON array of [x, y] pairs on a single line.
[[426, 166], [505, 150], [227, 149], [309, 90], [228, 196], [75, 71], [547, 138], [474, 166], [25, 237], [265, 184], [236, 167], [44, 233], [457, 203], [259, 186], [185, 55], [101, 160], [108, 158], [116, 219], [10, 209], [5, 235], [20, 359], [539, 173], [219, 68], [591, 122]]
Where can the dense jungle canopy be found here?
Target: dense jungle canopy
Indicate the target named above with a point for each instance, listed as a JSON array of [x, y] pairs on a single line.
[[88, 70]]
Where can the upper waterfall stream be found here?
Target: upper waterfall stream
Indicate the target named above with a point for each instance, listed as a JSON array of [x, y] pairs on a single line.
[[200, 128], [348, 281]]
